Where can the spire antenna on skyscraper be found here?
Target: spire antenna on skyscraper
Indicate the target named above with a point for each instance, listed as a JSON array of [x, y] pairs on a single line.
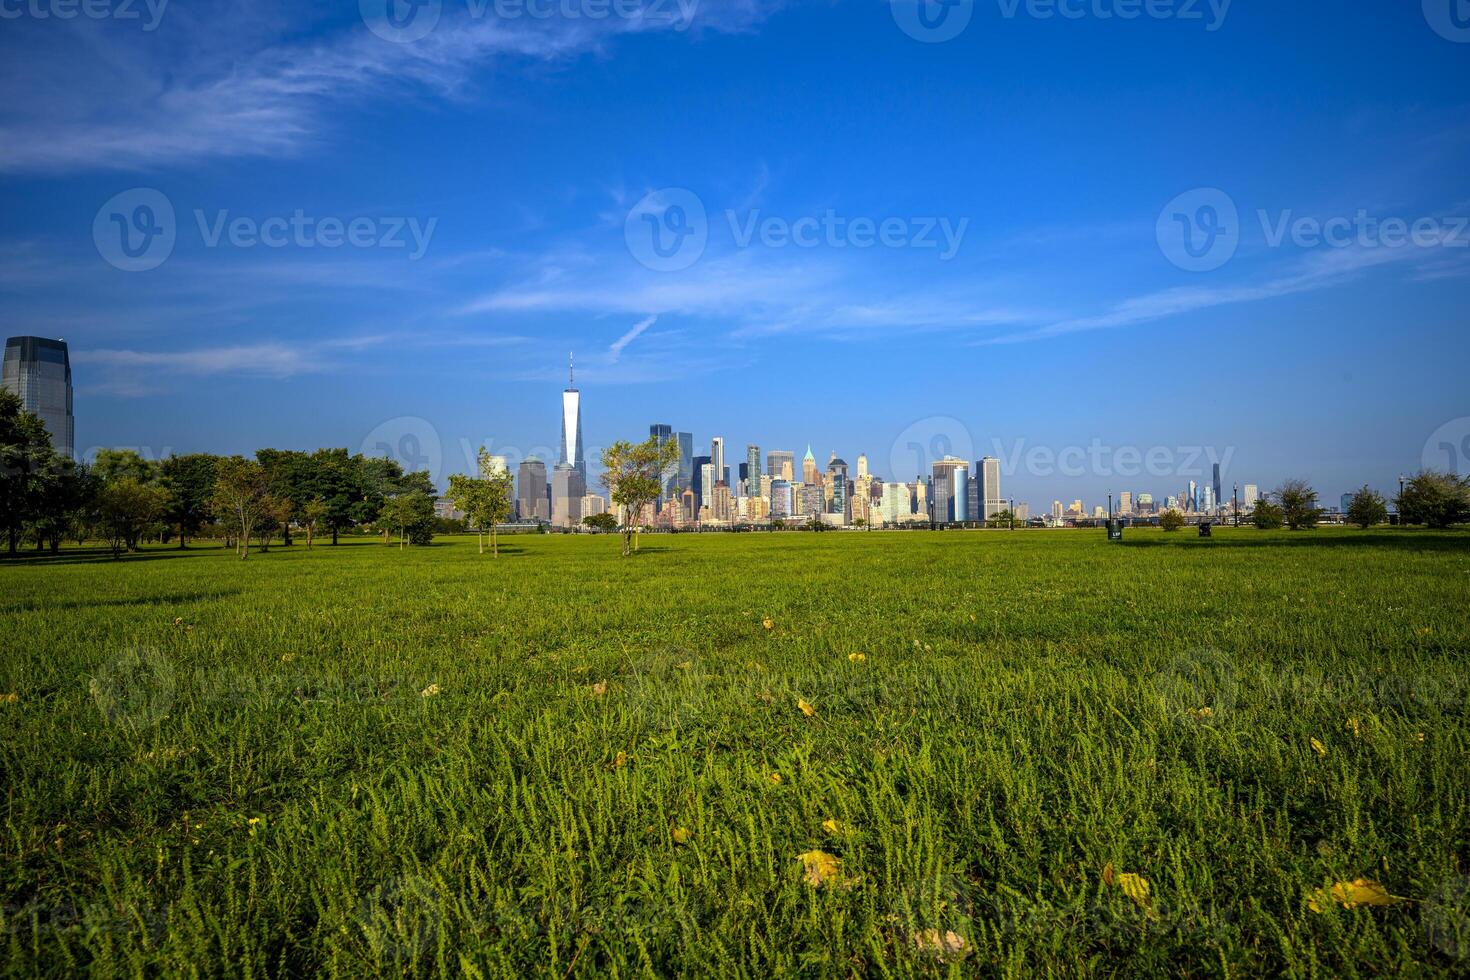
[[571, 372]]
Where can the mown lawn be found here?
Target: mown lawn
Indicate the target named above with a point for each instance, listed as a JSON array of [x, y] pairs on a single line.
[[360, 761]]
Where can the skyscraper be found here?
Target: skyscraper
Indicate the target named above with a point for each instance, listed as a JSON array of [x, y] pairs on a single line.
[[38, 370], [841, 491], [567, 491], [717, 457], [686, 460], [573, 453], [531, 500], [951, 489], [781, 465], [663, 433], [703, 481], [753, 470], [809, 466], [1218, 495], [991, 502]]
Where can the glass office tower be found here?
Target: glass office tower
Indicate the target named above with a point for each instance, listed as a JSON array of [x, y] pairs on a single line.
[[39, 371]]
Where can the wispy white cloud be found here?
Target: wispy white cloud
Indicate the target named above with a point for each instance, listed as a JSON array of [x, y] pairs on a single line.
[[1318, 270], [616, 350], [126, 104]]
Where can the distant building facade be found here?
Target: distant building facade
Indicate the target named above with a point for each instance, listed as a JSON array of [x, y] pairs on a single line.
[[38, 370]]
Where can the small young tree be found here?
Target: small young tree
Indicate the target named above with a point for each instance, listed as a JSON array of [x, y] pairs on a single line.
[[486, 499], [411, 515], [1171, 520], [1367, 508], [1298, 505], [1267, 516], [632, 476], [313, 513], [999, 519], [1435, 499], [240, 496]]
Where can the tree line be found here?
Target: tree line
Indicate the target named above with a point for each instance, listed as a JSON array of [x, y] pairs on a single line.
[[122, 498], [1437, 500]]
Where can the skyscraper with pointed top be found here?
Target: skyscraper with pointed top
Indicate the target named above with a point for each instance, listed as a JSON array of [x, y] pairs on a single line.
[[573, 453]]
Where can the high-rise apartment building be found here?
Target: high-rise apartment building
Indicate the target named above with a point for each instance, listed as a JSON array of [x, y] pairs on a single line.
[[38, 371], [781, 465], [753, 470], [717, 458]]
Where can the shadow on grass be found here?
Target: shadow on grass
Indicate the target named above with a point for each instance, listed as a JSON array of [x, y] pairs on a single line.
[[171, 598]]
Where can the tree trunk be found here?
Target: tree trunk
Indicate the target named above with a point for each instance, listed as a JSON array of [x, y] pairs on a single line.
[[334, 534], [308, 537], [481, 535], [402, 538], [14, 538], [494, 545]]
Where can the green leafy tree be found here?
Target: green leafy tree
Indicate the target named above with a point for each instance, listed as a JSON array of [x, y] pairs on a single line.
[[485, 499], [633, 477], [334, 479], [411, 514], [240, 498], [65, 495], [1267, 516], [127, 508], [1437, 500], [25, 459], [1298, 503], [290, 475], [1003, 518], [190, 481], [601, 522], [113, 464], [1367, 508], [1171, 520], [313, 515]]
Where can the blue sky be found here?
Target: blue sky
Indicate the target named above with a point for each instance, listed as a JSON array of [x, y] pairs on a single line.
[[506, 165]]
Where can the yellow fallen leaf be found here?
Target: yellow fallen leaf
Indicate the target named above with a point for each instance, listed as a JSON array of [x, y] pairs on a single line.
[[832, 826], [9, 698], [1135, 887], [683, 666], [599, 689], [941, 945], [430, 691], [775, 778], [821, 868], [806, 708], [768, 623], [857, 658], [681, 835], [620, 760], [1350, 894], [1318, 747]]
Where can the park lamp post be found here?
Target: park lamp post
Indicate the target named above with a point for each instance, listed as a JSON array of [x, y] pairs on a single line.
[[1398, 505], [1235, 495], [1013, 513]]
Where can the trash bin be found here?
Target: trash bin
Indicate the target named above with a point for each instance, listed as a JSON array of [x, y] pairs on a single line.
[[1115, 530], [1204, 530]]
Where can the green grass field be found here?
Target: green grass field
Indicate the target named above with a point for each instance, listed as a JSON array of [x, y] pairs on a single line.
[[359, 761]]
